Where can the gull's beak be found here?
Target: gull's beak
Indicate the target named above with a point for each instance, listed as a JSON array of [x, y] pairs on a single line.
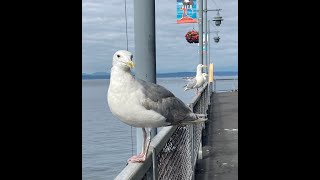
[[204, 66], [130, 64]]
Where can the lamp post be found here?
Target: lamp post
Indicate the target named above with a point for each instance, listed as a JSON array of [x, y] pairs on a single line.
[[218, 18], [200, 22], [216, 38]]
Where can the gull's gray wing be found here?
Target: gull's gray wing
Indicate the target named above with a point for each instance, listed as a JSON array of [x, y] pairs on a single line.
[[162, 101], [191, 83]]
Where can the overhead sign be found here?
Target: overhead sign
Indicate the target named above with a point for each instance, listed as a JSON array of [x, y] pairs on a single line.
[[186, 11]]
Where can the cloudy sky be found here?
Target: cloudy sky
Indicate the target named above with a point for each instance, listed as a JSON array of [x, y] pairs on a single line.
[[103, 33]]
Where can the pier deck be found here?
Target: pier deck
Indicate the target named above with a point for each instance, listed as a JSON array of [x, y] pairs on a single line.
[[220, 140]]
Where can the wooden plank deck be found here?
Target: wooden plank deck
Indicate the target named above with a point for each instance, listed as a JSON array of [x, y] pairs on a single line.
[[220, 141]]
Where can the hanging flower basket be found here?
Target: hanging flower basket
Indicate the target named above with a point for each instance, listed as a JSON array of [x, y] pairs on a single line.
[[192, 36]]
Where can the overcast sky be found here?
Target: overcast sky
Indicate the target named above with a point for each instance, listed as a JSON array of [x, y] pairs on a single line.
[[103, 33]]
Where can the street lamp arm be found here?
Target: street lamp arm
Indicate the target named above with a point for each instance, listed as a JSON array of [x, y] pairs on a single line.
[[212, 10]]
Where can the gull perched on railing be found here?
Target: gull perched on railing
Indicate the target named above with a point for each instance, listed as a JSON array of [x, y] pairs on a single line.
[[197, 81], [144, 104]]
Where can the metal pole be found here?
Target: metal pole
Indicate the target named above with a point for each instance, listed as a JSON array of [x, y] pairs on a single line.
[[214, 9], [200, 22], [209, 50], [205, 33], [145, 48]]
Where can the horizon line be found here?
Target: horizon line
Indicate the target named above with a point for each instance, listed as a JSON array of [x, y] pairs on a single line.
[[166, 72]]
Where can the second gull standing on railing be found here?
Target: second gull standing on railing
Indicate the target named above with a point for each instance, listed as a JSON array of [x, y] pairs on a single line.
[[197, 81]]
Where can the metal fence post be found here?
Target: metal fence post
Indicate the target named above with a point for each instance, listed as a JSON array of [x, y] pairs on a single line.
[[154, 164], [192, 148], [145, 48]]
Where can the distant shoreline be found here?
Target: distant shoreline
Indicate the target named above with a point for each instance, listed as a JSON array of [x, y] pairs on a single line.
[[101, 75]]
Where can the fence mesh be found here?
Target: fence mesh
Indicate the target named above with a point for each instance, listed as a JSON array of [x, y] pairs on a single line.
[[177, 159], [174, 160]]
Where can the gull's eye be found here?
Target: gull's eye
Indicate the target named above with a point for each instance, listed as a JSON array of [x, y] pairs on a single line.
[[118, 55]]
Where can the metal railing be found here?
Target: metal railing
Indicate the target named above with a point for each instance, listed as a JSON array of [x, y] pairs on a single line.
[[174, 150], [225, 79]]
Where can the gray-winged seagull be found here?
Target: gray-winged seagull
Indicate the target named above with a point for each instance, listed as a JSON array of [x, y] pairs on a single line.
[[143, 104], [197, 81]]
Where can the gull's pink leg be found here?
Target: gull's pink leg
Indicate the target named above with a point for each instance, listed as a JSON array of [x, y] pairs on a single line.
[[134, 158], [149, 141], [144, 142], [143, 158], [197, 92]]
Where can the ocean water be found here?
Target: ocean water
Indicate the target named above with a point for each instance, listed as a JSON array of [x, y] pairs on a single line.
[[107, 142]]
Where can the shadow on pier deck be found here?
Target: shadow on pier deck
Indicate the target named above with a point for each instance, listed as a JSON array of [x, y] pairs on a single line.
[[220, 140]]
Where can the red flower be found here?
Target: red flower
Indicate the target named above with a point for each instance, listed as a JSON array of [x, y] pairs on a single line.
[[192, 36]]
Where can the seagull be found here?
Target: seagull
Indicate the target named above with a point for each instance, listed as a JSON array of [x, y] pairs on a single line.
[[197, 81], [144, 104]]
